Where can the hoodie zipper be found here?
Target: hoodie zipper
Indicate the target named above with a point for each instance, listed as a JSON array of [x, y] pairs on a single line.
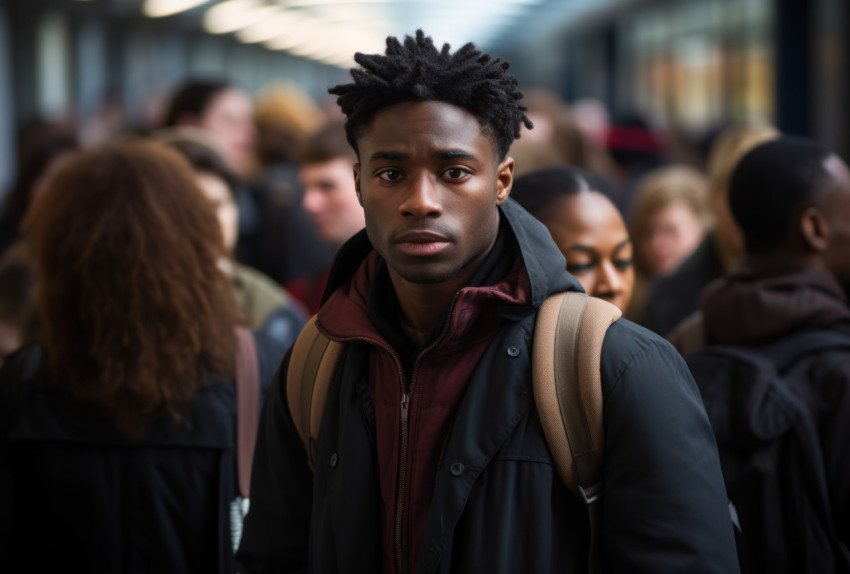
[[406, 398], [402, 481]]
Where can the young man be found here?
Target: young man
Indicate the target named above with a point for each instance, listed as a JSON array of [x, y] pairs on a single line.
[[791, 200], [329, 200], [431, 456]]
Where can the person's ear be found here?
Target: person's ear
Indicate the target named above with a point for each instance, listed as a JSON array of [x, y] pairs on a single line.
[[504, 180], [357, 183], [815, 229]]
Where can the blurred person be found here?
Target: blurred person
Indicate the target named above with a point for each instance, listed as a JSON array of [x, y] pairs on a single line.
[[41, 147], [223, 110], [554, 126], [431, 455], [592, 118], [17, 293], [285, 246], [326, 172], [269, 307], [283, 116], [556, 138], [118, 426], [674, 297], [586, 227], [784, 443], [634, 149], [669, 218]]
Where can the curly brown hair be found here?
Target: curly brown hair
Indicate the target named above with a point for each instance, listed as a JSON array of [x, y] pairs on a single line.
[[136, 314]]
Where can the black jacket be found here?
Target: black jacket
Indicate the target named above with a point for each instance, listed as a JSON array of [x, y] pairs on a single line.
[[78, 497], [754, 307], [499, 505]]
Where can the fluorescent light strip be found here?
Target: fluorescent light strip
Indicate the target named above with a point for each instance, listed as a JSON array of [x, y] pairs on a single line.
[[162, 8]]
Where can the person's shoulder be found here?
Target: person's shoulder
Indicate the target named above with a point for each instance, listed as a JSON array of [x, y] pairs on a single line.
[[627, 346], [256, 281]]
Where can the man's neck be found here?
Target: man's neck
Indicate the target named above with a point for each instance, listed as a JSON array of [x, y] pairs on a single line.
[[421, 305]]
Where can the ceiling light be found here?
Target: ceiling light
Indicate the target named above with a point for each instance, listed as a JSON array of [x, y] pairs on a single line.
[[236, 14], [161, 8]]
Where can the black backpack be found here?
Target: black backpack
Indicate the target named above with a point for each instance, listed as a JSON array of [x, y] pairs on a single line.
[[758, 402]]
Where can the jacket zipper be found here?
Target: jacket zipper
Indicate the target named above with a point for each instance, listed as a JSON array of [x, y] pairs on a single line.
[[402, 481], [406, 398]]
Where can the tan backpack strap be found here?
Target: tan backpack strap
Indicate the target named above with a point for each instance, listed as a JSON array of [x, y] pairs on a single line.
[[247, 406], [568, 390], [312, 365]]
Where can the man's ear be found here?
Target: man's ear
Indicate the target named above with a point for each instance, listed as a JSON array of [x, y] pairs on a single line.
[[815, 229], [504, 180], [357, 183]]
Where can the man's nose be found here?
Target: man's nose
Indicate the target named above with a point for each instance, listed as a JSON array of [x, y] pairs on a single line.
[[423, 198], [312, 200]]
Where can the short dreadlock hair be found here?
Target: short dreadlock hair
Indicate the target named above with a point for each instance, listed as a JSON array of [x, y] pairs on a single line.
[[417, 71]]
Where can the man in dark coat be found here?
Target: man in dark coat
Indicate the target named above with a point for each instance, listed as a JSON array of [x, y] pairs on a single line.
[[431, 456], [791, 199]]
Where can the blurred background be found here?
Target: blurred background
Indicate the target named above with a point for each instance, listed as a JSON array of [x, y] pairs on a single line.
[[687, 66]]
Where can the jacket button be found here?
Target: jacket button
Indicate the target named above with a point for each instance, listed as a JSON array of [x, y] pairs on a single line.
[[513, 351], [334, 460], [457, 468]]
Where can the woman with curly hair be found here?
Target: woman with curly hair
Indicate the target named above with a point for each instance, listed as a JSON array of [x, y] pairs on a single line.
[[119, 427]]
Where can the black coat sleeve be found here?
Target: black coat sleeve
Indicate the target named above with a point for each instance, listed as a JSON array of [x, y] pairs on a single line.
[[277, 526], [664, 504]]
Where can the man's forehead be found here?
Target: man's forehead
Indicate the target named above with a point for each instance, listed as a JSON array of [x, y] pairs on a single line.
[[408, 122]]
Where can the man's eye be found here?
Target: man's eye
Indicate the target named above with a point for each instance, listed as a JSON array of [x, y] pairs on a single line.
[[455, 173], [390, 175]]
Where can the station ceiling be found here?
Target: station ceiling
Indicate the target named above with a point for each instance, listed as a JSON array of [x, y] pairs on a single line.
[[330, 31]]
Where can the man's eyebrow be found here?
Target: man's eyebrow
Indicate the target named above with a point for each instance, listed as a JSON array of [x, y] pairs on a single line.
[[454, 154], [390, 155]]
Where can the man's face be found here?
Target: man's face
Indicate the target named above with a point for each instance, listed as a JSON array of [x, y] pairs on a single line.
[[429, 182], [836, 207], [331, 201], [228, 118]]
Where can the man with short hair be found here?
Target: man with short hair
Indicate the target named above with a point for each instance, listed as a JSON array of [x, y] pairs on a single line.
[[431, 456], [791, 199], [330, 200]]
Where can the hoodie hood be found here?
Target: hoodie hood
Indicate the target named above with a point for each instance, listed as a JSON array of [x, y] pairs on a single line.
[[752, 308]]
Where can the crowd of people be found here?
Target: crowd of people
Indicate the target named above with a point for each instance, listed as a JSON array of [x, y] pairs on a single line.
[[422, 225]]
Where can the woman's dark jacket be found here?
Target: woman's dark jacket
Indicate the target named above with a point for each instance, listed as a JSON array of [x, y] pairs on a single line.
[[499, 504], [76, 496]]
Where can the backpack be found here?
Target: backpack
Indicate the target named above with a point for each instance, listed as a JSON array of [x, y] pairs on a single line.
[[770, 452], [567, 390]]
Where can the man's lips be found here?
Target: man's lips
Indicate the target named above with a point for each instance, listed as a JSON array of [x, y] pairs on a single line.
[[421, 242]]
